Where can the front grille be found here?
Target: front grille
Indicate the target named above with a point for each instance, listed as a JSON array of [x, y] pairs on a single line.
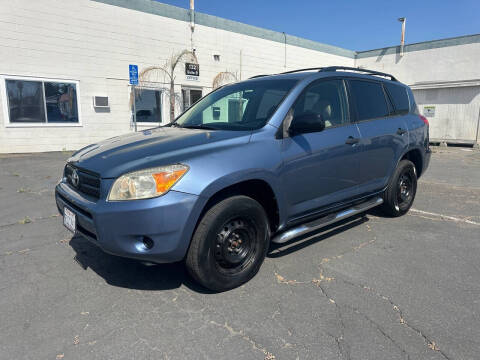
[[88, 183]]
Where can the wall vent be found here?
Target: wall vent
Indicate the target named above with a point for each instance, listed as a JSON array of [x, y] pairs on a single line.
[[100, 102]]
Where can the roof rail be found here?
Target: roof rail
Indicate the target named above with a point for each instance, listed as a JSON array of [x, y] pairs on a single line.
[[298, 70], [372, 72], [335, 68], [257, 76]]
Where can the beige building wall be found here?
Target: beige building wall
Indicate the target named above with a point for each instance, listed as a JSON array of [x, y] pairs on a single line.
[[92, 43]]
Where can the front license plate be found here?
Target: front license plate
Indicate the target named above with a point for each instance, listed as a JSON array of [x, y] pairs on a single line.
[[69, 219]]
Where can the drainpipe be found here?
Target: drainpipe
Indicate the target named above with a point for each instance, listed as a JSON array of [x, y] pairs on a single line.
[[240, 64], [403, 20], [285, 55], [192, 20], [477, 144]]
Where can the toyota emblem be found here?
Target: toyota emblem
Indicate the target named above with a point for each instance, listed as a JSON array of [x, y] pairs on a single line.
[[75, 178]]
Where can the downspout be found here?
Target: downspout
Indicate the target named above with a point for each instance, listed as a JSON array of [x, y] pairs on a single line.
[[477, 144], [240, 64], [285, 55], [192, 21]]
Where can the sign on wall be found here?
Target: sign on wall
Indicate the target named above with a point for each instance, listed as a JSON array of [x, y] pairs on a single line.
[[133, 74], [429, 111], [192, 71]]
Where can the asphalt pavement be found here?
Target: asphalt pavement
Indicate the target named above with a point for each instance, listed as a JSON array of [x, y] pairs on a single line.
[[369, 288]]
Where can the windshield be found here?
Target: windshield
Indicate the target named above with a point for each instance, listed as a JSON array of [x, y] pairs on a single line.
[[243, 106]]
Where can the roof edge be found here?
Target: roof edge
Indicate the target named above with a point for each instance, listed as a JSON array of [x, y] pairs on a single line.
[[424, 45], [178, 13]]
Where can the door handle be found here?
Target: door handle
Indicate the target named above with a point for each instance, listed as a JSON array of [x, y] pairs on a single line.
[[351, 140], [401, 131]]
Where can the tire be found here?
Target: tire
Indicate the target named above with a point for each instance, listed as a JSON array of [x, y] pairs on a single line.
[[401, 190], [229, 244]]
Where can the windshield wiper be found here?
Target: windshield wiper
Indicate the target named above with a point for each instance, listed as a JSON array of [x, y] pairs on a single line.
[[199, 126], [173, 124]]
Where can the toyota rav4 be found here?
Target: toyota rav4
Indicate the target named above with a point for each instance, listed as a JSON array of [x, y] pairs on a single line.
[[262, 160]]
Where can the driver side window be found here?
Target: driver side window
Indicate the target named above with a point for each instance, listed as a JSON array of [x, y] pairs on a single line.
[[326, 98]]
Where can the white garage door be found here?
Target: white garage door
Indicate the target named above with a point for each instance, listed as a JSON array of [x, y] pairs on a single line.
[[453, 113]]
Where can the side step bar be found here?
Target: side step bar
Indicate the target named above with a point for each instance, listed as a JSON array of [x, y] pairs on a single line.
[[326, 220]]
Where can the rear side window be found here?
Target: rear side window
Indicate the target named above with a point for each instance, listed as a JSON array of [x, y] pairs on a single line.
[[399, 96], [369, 98]]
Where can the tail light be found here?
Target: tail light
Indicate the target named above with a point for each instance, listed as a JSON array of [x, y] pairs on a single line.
[[427, 135], [424, 119]]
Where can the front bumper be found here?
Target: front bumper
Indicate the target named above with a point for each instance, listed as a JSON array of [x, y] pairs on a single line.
[[119, 227]]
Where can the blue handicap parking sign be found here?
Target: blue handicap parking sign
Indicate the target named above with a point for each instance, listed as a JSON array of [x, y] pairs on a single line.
[[133, 71]]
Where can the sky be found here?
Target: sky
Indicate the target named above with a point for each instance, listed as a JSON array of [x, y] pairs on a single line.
[[355, 25]]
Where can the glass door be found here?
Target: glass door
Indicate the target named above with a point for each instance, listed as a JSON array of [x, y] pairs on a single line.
[[190, 96]]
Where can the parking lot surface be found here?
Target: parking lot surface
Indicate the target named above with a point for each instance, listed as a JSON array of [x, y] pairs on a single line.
[[369, 288]]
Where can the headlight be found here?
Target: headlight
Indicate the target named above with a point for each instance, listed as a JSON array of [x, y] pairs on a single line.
[[146, 183]]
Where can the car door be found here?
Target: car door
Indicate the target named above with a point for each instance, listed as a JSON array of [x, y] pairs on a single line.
[[320, 168], [384, 133]]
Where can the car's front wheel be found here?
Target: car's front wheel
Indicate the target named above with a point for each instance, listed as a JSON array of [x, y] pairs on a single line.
[[229, 244], [401, 190]]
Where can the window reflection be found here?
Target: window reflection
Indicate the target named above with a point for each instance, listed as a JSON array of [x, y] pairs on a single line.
[[148, 105], [61, 100], [25, 101], [41, 102]]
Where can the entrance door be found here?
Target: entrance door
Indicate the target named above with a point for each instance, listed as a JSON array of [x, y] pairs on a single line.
[[190, 96], [148, 105]]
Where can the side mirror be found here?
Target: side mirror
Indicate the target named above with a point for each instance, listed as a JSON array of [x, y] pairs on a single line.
[[306, 123]]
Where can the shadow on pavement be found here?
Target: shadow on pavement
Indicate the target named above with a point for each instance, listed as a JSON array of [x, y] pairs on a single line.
[[133, 274], [129, 273]]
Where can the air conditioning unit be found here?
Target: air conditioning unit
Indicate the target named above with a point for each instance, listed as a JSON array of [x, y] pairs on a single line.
[[100, 102]]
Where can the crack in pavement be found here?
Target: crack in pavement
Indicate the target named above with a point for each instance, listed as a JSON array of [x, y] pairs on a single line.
[[430, 343], [342, 345], [255, 346], [380, 329], [28, 220]]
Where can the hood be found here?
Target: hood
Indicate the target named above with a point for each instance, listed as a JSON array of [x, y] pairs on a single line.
[[154, 147]]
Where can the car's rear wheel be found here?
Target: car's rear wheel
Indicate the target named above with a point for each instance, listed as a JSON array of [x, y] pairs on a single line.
[[401, 190], [229, 244]]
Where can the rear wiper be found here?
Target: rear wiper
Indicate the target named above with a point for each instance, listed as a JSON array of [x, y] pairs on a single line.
[[200, 126]]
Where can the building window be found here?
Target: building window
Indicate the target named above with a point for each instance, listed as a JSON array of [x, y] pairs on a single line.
[[148, 105], [41, 102]]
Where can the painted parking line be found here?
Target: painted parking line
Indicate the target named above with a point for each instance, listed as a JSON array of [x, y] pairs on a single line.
[[445, 217]]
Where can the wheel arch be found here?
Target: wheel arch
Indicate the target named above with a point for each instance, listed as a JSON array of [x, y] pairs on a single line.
[[415, 156], [258, 189]]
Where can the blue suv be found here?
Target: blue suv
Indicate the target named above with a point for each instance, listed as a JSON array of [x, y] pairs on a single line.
[[266, 159]]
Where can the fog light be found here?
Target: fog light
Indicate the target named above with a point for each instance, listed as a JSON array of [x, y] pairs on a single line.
[[147, 242]]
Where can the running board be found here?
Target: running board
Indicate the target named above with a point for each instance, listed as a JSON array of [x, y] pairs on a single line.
[[306, 228]]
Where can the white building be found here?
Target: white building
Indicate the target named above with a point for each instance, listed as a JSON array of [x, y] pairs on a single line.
[[56, 56]]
